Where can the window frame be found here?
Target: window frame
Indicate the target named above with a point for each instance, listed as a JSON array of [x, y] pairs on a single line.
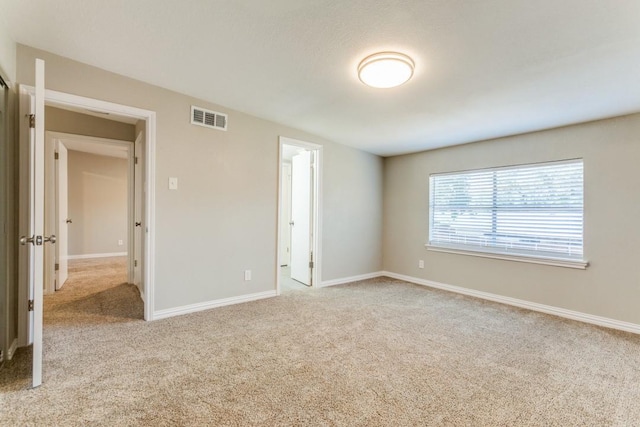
[[496, 252]]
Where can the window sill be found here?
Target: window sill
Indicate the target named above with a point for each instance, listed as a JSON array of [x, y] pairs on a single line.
[[567, 263]]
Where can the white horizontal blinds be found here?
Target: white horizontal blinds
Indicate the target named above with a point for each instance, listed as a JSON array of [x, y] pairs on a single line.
[[528, 210]]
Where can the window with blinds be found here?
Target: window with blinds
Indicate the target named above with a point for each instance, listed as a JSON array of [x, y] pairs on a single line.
[[531, 210]]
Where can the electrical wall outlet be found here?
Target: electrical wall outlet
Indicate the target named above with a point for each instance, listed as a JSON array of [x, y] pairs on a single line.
[[420, 263], [247, 275], [173, 183], [120, 242]]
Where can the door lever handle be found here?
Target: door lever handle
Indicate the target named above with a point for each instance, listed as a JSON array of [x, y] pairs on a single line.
[[69, 221], [291, 223], [138, 224], [24, 240], [37, 240]]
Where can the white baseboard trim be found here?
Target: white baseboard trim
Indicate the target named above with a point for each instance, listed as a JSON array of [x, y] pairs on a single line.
[[548, 309], [344, 280], [12, 349], [106, 255], [192, 308]]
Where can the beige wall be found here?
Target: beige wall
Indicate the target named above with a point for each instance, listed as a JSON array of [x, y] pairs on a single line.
[[352, 222], [58, 120], [222, 219], [7, 53], [610, 287], [97, 203]]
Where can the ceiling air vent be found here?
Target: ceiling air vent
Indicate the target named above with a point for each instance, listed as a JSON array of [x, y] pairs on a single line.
[[208, 118]]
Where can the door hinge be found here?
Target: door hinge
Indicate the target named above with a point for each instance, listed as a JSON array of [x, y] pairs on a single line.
[[57, 267], [30, 305], [32, 121], [135, 160], [56, 156], [310, 264], [135, 263]]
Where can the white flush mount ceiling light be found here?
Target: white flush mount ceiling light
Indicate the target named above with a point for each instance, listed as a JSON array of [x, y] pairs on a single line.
[[385, 69]]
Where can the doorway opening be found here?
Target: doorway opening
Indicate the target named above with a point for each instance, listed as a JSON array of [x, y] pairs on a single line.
[[92, 206], [90, 200], [299, 221], [138, 245], [31, 203]]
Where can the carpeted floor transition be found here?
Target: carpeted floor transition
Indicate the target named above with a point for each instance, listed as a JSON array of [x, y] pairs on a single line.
[[373, 353]]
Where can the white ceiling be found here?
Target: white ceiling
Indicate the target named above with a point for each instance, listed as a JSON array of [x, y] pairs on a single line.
[[484, 69]]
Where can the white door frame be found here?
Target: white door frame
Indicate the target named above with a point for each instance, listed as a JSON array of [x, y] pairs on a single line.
[[50, 139], [63, 99], [316, 245]]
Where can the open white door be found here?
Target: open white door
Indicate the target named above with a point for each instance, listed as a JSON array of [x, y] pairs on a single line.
[[36, 239], [301, 184], [285, 216], [62, 220]]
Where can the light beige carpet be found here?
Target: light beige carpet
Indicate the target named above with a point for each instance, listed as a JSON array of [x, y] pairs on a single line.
[[373, 353]]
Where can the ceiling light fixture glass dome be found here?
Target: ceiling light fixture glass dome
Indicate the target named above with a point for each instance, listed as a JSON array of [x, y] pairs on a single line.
[[385, 69]]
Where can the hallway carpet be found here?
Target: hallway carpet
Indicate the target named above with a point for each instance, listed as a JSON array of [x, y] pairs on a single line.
[[379, 352]]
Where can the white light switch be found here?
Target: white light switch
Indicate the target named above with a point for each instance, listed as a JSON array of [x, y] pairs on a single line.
[[173, 183], [421, 264]]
